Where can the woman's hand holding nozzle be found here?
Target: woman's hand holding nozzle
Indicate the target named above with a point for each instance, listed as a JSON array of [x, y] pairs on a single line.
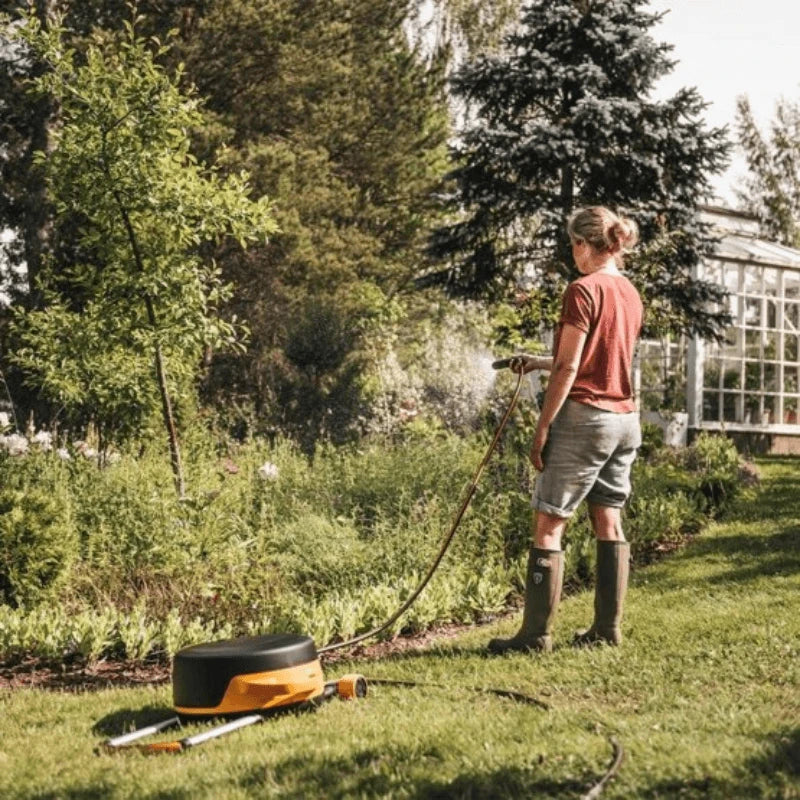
[[519, 363]]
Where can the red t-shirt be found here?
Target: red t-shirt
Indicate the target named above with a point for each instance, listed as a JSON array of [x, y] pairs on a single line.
[[608, 308]]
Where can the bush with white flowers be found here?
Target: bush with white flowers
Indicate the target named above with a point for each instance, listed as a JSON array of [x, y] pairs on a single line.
[[14, 444], [268, 471]]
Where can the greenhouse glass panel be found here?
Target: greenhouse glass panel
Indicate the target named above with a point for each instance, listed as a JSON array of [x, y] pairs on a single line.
[[752, 408], [752, 312], [771, 282], [732, 280], [790, 411], [791, 284], [772, 314], [771, 377], [752, 279], [710, 406], [769, 413], [730, 407], [752, 344], [752, 375], [771, 345], [732, 375], [790, 348], [791, 317], [790, 380], [711, 373]]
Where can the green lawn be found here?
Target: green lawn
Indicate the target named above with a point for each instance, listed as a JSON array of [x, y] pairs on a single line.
[[704, 696]]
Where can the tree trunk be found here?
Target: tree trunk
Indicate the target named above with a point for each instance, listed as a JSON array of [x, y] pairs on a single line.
[[563, 249], [37, 224], [169, 421], [161, 373]]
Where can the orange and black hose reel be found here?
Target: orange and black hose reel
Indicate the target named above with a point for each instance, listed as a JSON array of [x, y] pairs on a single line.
[[244, 679]]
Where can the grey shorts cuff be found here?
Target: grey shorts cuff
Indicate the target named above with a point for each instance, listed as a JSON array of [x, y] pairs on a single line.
[[605, 502], [540, 505]]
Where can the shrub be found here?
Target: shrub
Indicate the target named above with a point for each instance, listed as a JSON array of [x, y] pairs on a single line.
[[659, 520], [93, 634], [715, 461], [38, 544], [652, 439]]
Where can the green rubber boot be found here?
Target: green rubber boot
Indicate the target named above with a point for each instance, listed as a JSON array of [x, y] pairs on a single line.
[[609, 594], [542, 594]]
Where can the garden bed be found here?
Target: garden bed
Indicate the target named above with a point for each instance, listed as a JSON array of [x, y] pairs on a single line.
[[109, 566]]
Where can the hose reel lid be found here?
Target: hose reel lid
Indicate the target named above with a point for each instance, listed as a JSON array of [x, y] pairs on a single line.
[[201, 673]]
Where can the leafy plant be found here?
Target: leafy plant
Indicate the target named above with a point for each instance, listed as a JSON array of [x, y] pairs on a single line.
[[92, 634], [330, 546], [124, 324], [38, 544], [715, 461], [137, 635]]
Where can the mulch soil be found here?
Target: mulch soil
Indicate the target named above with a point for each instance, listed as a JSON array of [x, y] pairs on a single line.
[[32, 673]]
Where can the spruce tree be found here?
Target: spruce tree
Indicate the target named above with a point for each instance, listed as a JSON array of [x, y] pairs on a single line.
[[562, 117]]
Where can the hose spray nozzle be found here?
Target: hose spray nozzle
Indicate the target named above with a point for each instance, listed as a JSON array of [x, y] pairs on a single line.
[[507, 363]]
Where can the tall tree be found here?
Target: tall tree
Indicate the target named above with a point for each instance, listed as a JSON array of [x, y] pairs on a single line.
[[125, 324], [561, 117], [344, 125], [771, 190], [27, 123]]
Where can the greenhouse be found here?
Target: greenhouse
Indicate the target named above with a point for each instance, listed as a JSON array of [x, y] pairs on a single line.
[[748, 383]]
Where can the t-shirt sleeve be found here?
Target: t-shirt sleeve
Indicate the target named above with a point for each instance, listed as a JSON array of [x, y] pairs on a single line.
[[578, 308]]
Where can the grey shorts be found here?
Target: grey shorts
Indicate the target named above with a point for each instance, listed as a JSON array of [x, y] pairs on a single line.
[[588, 455]]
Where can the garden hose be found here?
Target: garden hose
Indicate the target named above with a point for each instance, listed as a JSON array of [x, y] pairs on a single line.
[[127, 742], [618, 752], [447, 540], [130, 741]]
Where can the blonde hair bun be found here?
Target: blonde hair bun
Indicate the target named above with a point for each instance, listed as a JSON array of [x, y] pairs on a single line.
[[602, 229], [624, 233]]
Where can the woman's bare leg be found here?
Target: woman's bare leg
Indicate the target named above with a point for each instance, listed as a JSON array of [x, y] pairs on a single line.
[[547, 530]]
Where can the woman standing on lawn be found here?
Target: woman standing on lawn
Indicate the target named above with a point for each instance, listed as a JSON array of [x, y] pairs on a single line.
[[588, 431]]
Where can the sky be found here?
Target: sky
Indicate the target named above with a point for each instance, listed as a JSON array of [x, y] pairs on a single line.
[[727, 48]]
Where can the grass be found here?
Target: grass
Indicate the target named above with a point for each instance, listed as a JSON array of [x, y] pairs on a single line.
[[703, 696]]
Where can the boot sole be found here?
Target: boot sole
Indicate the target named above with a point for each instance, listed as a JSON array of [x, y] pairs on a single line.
[[499, 649]]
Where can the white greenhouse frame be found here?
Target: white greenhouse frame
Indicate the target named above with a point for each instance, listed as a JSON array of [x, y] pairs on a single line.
[[751, 381]]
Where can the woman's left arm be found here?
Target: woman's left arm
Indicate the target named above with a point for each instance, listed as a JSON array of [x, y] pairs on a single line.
[[562, 376]]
